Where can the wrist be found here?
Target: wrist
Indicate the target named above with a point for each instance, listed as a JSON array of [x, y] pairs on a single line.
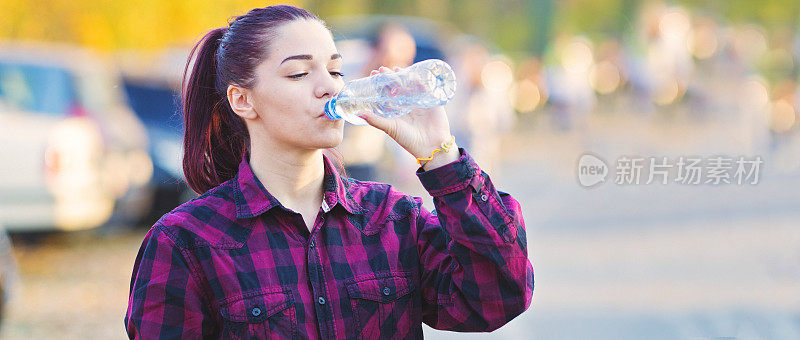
[[441, 159], [423, 150], [445, 153]]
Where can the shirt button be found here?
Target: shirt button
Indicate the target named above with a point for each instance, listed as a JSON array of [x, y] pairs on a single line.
[[484, 197], [321, 300], [386, 291], [311, 244], [256, 311]]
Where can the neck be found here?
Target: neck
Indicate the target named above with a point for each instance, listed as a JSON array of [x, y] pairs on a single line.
[[294, 177]]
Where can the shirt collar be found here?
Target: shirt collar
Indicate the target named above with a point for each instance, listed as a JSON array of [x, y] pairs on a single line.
[[253, 199]]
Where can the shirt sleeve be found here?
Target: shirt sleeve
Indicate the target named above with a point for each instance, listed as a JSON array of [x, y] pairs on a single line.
[[165, 300], [476, 275]]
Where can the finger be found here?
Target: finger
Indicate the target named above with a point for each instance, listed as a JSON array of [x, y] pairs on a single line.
[[397, 68], [378, 122], [373, 72], [384, 69]]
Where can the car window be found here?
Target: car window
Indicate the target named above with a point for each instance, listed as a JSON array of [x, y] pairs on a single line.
[[99, 91], [36, 89], [153, 103]]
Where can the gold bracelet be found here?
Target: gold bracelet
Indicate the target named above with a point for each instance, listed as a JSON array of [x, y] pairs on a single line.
[[445, 146]]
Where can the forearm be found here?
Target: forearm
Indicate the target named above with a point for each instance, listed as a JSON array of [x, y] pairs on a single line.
[[478, 276]]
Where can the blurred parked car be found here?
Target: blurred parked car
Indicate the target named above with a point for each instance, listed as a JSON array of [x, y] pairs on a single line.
[[152, 84], [72, 154], [9, 274], [157, 105]]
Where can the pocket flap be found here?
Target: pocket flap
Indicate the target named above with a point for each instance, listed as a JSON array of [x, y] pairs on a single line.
[[256, 306], [380, 287]]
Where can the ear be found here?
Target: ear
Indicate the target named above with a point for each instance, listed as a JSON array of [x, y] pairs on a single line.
[[241, 101]]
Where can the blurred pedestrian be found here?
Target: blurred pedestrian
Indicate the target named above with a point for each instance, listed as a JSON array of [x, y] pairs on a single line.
[[662, 71], [363, 146], [571, 94], [280, 246], [480, 115]]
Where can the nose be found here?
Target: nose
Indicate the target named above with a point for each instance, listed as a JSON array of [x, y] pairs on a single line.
[[328, 86]]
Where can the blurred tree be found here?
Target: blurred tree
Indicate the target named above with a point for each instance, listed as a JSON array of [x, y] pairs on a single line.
[[769, 13], [524, 26], [143, 24], [507, 23], [540, 13], [341, 7], [596, 18]]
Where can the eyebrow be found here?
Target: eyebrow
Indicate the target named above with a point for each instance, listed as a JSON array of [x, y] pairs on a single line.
[[308, 57]]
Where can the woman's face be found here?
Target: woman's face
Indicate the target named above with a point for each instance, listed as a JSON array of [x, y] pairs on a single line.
[[302, 72]]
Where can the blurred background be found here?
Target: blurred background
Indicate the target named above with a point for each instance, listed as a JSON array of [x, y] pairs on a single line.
[[91, 130]]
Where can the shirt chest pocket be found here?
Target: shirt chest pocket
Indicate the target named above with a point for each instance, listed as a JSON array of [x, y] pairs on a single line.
[[266, 314], [383, 305]]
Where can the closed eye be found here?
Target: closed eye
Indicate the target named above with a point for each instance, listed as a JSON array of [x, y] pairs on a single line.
[[301, 75]]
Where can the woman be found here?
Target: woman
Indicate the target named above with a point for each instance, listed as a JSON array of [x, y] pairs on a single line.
[[282, 246]]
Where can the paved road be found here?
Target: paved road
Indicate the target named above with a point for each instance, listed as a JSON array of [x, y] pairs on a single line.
[[612, 262], [653, 261]]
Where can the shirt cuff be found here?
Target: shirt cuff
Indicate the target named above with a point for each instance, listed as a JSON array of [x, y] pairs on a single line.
[[451, 177]]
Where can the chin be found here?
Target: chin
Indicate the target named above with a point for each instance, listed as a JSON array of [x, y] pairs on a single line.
[[329, 138]]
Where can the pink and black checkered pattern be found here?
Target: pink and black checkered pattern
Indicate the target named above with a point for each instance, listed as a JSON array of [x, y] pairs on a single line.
[[234, 263]]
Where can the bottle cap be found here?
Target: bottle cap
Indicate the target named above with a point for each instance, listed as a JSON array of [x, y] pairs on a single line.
[[330, 109]]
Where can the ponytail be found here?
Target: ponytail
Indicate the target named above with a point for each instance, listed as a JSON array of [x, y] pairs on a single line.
[[216, 138]]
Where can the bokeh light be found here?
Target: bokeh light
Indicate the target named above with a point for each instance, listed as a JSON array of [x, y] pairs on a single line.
[[577, 56], [497, 76], [703, 41], [782, 116], [605, 77], [528, 96], [675, 24]]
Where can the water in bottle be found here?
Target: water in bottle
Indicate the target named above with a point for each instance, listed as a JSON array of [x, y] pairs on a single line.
[[428, 83]]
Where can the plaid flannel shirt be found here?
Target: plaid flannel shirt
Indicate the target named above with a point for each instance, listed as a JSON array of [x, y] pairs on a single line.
[[234, 263]]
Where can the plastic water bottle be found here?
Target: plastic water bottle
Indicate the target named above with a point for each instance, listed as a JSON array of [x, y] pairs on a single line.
[[426, 84]]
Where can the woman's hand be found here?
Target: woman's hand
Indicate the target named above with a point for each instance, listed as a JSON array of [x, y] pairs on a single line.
[[419, 132]]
